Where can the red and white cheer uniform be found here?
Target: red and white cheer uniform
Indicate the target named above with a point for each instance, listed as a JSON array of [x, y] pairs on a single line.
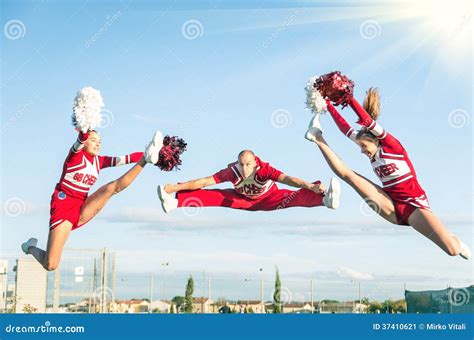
[[80, 172], [390, 163], [258, 192]]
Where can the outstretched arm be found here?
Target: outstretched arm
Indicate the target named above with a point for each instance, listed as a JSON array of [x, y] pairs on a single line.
[[194, 184], [299, 183], [341, 123], [107, 161]]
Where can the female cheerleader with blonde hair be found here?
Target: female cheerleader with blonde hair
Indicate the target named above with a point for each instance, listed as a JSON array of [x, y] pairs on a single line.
[[401, 199]]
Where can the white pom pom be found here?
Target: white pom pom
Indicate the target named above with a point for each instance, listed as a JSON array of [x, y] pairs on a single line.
[[86, 109], [314, 100]]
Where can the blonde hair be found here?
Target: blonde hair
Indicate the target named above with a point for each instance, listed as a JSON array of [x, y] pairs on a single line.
[[372, 106], [372, 102]]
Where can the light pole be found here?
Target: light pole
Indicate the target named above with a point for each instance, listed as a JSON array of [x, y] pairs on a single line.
[[164, 265], [247, 280], [151, 293], [358, 307]]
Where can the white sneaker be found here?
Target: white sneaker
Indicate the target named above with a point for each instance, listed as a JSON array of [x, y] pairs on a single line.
[[168, 201], [331, 199], [465, 251], [314, 128], [152, 151], [25, 246]]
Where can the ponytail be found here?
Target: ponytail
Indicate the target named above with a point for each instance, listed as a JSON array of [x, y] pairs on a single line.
[[372, 103]]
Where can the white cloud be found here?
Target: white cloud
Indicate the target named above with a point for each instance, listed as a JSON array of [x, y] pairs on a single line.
[[353, 274]]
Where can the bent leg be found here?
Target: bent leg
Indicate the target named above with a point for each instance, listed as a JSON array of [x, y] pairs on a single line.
[[58, 236]]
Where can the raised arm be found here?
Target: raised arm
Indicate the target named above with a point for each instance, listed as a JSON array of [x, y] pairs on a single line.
[[107, 161], [366, 120], [75, 151], [341, 123], [80, 141], [385, 138]]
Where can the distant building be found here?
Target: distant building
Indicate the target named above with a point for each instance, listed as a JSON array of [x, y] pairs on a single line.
[[129, 306], [31, 286], [160, 306], [247, 306], [202, 305], [341, 307], [297, 307]]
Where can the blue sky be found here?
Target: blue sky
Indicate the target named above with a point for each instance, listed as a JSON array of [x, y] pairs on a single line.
[[227, 76]]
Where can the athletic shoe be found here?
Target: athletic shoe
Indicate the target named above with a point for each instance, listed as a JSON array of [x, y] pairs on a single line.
[[314, 128], [25, 246], [465, 251], [152, 151], [331, 199], [168, 201]]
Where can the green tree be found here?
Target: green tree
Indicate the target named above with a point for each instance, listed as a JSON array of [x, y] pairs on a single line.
[[171, 308], [375, 306], [188, 297], [277, 307], [178, 301], [400, 306], [388, 306]]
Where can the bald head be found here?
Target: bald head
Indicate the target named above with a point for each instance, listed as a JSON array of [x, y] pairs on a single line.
[[247, 162], [246, 153]]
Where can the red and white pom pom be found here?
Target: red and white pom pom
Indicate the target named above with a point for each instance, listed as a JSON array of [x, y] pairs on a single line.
[[86, 109], [314, 100], [170, 153], [336, 87]]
